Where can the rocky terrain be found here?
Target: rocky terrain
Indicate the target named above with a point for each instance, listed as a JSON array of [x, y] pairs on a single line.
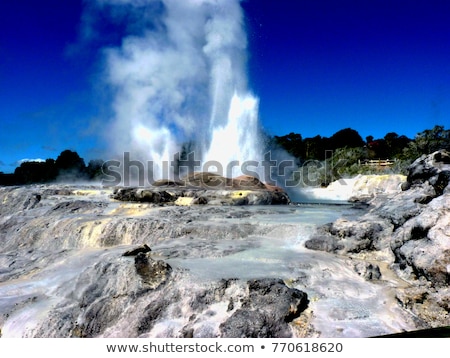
[[408, 230], [86, 261], [234, 259]]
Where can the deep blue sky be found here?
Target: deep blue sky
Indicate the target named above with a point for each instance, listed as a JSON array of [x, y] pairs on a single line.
[[317, 66]]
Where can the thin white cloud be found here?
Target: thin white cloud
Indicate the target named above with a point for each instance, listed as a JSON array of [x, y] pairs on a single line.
[[36, 160]]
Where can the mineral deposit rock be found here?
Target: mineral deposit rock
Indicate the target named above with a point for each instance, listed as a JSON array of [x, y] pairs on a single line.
[[205, 188]]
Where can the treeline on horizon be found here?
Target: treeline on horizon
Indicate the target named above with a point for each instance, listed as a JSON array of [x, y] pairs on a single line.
[[345, 145], [391, 146], [67, 167]]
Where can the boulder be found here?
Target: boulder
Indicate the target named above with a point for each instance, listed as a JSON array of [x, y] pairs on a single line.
[[401, 207], [348, 236], [422, 245], [266, 312], [433, 168], [153, 272], [155, 196]]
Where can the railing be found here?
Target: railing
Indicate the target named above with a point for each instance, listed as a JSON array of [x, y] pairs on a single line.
[[377, 162]]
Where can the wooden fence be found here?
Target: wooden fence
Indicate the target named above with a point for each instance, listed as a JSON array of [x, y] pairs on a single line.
[[377, 162]]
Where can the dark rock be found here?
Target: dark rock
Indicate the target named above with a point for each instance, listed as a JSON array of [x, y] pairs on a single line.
[[280, 198], [153, 272], [345, 236], [151, 314], [251, 324], [201, 200], [434, 168], [156, 196], [201, 196], [77, 206], [144, 248], [266, 312], [324, 243], [405, 186], [367, 270], [289, 302], [32, 201], [57, 191], [187, 332], [440, 181], [363, 199]]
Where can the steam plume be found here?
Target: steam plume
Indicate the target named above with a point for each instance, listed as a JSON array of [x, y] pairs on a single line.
[[179, 76]]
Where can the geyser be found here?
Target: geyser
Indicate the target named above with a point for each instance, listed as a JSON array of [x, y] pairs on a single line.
[[179, 77]]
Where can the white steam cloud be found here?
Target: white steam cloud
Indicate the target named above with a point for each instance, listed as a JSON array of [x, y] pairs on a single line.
[[181, 76]]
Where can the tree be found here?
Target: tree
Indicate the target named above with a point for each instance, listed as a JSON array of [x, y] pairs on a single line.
[[395, 144], [94, 169], [35, 172], [70, 166], [426, 142], [346, 138], [292, 143], [69, 160], [431, 140], [315, 147], [378, 149]]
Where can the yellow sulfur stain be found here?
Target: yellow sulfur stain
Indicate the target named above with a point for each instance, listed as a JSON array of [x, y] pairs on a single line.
[[85, 192], [240, 194], [131, 209], [184, 201]]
